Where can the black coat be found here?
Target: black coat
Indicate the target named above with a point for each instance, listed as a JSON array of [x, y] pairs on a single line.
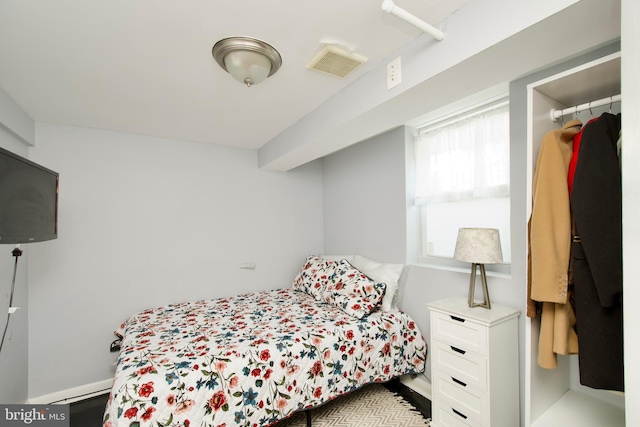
[[596, 255]]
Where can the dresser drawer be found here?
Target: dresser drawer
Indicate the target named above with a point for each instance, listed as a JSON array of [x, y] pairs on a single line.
[[467, 400], [462, 365], [459, 332], [446, 416]]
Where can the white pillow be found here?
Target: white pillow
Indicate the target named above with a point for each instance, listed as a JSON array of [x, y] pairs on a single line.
[[383, 273]]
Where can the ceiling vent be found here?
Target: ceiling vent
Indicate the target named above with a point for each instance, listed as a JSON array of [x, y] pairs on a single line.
[[336, 61]]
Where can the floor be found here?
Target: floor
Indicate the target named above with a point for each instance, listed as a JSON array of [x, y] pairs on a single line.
[[89, 412], [419, 402]]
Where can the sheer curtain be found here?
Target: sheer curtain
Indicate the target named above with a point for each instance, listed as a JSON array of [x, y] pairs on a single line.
[[465, 158]]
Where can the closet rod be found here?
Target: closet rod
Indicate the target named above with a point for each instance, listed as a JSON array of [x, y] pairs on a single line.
[[556, 114]]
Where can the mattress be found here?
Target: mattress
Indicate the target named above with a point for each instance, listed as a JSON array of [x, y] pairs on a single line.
[[252, 359]]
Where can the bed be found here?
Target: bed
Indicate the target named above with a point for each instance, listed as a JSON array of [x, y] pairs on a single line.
[[254, 359]]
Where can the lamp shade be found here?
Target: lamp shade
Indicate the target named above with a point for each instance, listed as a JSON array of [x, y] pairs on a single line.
[[478, 245]]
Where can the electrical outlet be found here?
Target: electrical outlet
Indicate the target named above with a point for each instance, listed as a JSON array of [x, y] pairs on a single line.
[[431, 248], [394, 76]]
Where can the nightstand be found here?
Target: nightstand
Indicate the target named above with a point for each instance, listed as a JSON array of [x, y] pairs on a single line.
[[474, 365]]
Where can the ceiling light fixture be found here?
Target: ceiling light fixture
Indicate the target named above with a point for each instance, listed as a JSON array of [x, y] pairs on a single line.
[[248, 60]]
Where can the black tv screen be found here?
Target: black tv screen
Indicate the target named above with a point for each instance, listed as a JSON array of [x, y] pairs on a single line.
[[28, 200]]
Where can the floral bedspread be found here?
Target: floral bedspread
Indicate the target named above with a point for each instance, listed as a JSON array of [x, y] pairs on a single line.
[[253, 359]]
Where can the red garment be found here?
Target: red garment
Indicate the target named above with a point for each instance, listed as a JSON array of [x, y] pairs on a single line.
[[577, 138]]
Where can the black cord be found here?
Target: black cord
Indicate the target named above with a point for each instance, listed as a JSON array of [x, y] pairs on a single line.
[[16, 253]]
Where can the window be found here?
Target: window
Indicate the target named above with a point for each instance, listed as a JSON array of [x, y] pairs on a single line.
[[462, 178]]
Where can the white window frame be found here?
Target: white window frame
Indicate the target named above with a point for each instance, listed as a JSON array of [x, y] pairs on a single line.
[[442, 261]]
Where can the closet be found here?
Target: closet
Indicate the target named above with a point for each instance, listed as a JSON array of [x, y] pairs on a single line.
[[555, 397]]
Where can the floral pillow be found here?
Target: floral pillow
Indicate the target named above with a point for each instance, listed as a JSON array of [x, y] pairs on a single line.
[[388, 274], [352, 291], [314, 276]]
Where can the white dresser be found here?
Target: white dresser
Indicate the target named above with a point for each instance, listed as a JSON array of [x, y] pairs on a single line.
[[474, 365]]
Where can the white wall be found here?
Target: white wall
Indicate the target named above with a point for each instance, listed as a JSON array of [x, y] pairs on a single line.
[[631, 202], [145, 221]]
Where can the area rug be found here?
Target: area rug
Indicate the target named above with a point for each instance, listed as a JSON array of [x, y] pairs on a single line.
[[371, 406]]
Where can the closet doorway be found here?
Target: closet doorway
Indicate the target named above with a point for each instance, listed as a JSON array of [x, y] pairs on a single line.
[[555, 397]]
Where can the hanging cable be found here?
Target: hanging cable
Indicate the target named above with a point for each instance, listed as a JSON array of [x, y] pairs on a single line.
[[16, 253]]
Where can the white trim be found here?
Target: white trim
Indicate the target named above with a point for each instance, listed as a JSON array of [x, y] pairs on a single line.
[[418, 383], [576, 70], [502, 270], [464, 113], [74, 394]]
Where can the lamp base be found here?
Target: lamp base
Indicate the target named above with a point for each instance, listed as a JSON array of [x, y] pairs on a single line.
[[485, 290]]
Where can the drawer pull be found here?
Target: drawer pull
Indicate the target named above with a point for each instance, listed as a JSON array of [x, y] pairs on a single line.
[[460, 414], [458, 350], [455, 380], [457, 319]]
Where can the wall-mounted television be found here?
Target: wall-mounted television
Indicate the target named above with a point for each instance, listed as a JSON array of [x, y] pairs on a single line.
[[28, 200]]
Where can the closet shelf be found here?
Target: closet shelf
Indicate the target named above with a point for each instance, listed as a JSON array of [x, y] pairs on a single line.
[[579, 409]]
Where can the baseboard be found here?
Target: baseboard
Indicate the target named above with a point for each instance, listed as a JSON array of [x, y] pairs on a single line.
[[418, 383], [73, 394]]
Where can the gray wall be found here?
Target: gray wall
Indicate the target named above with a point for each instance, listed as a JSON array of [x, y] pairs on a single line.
[[13, 358], [145, 221], [363, 199], [368, 210], [384, 155]]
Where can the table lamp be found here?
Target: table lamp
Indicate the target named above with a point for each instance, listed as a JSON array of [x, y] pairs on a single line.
[[479, 246]]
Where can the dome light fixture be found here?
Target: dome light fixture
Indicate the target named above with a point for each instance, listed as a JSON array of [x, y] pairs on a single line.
[[248, 60]]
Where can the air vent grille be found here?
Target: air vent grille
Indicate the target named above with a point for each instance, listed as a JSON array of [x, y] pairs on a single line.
[[335, 61]]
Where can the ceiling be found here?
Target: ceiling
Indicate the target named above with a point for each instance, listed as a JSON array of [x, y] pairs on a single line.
[[145, 66]]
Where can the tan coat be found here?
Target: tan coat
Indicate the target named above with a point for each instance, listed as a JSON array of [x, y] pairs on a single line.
[[549, 247]]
